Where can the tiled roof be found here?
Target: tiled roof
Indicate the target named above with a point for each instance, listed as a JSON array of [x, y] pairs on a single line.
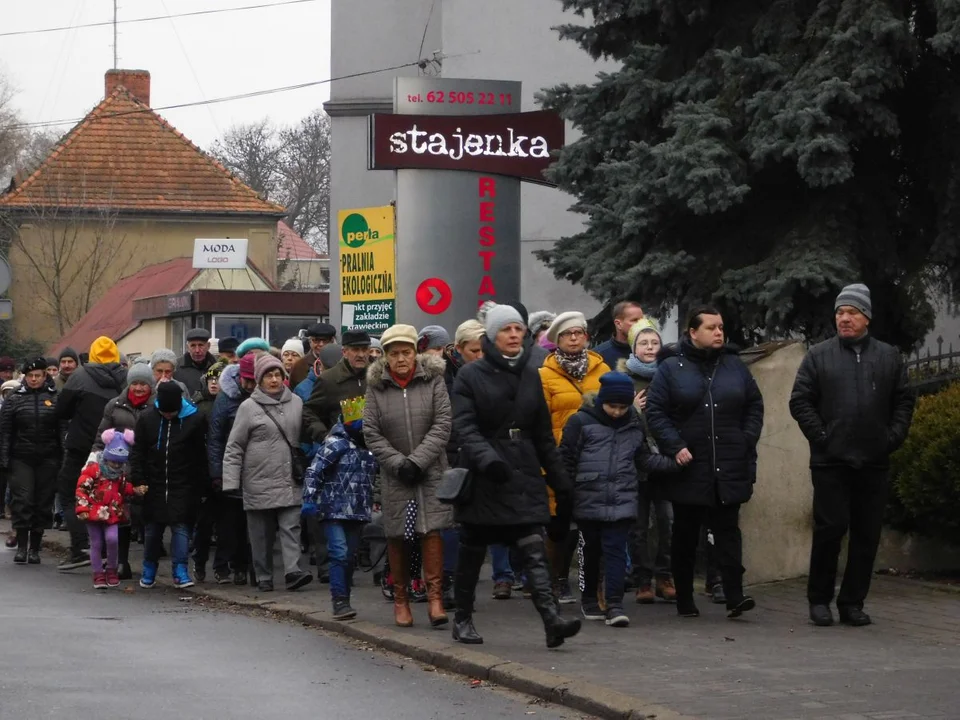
[[113, 314], [292, 246], [126, 158]]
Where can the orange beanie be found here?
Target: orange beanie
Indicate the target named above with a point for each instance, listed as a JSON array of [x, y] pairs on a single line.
[[103, 351]]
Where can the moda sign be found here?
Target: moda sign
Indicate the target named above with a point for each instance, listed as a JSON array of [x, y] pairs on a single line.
[[222, 253]]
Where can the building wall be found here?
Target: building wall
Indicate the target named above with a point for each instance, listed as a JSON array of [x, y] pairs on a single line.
[[131, 245], [151, 335], [306, 274], [228, 280]]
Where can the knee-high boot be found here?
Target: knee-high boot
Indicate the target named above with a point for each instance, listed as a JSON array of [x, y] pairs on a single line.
[[433, 571], [401, 580], [469, 564], [124, 533], [535, 562]]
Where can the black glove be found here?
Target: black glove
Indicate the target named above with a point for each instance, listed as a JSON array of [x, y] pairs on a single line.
[[499, 472], [409, 473]]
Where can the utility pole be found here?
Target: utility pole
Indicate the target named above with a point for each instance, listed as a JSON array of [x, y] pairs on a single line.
[[115, 63]]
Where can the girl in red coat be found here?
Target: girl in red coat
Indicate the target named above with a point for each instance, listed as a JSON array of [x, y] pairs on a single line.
[[101, 501]]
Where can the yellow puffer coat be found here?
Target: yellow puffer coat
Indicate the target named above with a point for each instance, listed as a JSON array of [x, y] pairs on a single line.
[[564, 394]]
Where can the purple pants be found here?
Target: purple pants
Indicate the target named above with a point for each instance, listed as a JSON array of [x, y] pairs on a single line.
[[101, 533]]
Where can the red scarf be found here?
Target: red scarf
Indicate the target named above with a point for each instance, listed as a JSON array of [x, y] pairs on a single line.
[[137, 401], [402, 382]]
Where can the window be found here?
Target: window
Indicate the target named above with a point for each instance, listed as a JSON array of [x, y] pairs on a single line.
[[281, 328], [178, 333], [240, 327]]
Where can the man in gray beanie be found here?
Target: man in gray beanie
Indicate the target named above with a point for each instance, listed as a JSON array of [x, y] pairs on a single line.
[[852, 402]]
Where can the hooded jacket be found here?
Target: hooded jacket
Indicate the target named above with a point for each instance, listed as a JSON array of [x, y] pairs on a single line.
[[409, 423], [191, 374], [341, 478], [169, 457], [29, 428], [82, 400], [718, 420], [222, 415]]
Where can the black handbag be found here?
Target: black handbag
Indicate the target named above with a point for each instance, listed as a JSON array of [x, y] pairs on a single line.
[[298, 458], [454, 486]]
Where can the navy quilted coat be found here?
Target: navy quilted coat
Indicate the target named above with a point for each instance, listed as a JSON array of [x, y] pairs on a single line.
[[340, 479]]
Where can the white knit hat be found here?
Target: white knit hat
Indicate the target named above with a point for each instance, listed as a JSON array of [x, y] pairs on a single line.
[[293, 345], [566, 321]]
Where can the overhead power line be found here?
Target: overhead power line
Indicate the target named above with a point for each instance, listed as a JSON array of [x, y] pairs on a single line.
[[154, 18]]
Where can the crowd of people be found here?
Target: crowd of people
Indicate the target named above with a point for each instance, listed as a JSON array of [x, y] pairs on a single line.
[[512, 439]]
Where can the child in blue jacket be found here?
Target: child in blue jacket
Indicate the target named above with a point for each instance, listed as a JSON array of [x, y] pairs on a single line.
[[338, 489]]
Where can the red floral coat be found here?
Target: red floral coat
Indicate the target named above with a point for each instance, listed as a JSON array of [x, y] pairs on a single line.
[[103, 499]]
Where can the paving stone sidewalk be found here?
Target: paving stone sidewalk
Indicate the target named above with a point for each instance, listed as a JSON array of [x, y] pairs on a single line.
[[772, 665]]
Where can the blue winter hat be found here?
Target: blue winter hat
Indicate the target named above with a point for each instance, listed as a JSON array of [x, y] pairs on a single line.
[[615, 389], [254, 343]]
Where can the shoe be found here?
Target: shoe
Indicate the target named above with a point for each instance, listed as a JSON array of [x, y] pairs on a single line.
[[100, 581], [645, 594], [76, 560], [296, 580], [148, 576], [399, 570], [517, 585], [11, 542], [239, 577], [33, 553], [502, 591], [564, 596], [432, 545], [464, 631], [741, 607], [418, 591], [590, 609], [717, 595], [324, 577], [124, 572], [265, 586], [200, 572], [666, 590], [616, 617], [22, 537], [854, 617], [342, 609], [57, 521], [113, 579], [687, 609], [821, 615], [181, 576], [223, 577]]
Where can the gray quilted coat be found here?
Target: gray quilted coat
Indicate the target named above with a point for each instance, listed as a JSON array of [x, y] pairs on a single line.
[[413, 423], [257, 457]]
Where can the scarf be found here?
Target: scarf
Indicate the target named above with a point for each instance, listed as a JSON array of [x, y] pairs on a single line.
[[512, 361], [107, 472], [136, 401], [401, 381], [640, 368], [573, 364]]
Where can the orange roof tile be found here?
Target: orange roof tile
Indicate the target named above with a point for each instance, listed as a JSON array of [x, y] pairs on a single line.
[[126, 158], [292, 246]]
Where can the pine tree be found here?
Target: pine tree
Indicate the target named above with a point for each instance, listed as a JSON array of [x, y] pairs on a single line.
[[761, 154]]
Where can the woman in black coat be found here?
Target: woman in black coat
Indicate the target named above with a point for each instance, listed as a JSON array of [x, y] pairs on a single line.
[[30, 450], [502, 422], [705, 409]]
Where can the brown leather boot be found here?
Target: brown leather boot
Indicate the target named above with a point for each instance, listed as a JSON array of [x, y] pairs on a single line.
[[433, 572], [400, 567]]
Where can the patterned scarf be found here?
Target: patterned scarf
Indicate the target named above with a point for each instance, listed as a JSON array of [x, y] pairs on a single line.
[[573, 364], [640, 368]]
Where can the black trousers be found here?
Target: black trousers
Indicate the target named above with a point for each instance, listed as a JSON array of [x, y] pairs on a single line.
[[233, 548], [844, 498], [33, 486], [724, 522], [207, 514], [73, 463]]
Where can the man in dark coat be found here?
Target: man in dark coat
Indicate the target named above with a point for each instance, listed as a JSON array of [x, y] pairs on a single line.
[[195, 361], [625, 315], [345, 380], [69, 361], [319, 336], [80, 408], [852, 402], [503, 425]]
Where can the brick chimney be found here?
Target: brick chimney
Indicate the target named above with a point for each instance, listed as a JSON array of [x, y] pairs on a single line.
[[137, 83]]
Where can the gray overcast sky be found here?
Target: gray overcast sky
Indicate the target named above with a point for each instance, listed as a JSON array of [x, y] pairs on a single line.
[[60, 75]]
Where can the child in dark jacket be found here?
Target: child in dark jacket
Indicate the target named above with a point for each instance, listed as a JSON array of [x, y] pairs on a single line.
[[338, 489], [604, 448]]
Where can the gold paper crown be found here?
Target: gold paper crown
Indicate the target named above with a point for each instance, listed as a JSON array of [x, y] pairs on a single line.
[[352, 409]]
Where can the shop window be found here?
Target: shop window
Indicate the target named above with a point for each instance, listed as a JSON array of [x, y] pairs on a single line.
[[281, 328], [240, 327]]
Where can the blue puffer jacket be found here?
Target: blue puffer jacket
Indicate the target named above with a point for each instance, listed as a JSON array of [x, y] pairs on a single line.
[[718, 421], [340, 480], [222, 415], [608, 460]]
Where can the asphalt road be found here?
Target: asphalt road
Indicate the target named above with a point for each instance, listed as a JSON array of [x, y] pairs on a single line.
[[68, 651]]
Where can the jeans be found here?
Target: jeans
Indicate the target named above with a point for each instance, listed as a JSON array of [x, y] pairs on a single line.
[[724, 522], [646, 565], [606, 540], [844, 498], [343, 539], [502, 569], [179, 542]]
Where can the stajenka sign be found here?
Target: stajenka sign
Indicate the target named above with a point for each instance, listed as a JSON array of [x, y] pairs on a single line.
[[514, 144], [222, 253]]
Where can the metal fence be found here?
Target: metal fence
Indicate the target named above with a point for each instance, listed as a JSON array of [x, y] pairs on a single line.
[[931, 372]]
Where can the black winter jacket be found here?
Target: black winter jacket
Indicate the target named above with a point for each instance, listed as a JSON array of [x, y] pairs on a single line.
[[718, 421], [854, 408], [322, 410], [191, 374], [120, 414], [607, 461], [29, 428], [489, 399], [82, 400], [169, 457]]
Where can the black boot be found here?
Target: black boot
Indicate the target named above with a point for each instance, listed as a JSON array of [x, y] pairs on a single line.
[[449, 598], [22, 538], [469, 563], [33, 555], [538, 574]]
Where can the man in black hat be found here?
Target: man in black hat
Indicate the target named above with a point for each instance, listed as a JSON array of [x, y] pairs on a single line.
[[195, 361], [68, 362], [319, 335], [345, 380], [227, 350]]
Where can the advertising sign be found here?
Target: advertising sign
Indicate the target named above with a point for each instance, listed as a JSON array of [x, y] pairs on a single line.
[[368, 279], [221, 253]]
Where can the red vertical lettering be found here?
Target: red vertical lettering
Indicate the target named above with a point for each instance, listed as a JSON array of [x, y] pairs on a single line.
[[487, 256], [487, 188], [486, 286]]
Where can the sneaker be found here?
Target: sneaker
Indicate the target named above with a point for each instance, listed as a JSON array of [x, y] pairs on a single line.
[[100, 581], [113, 579], [616, 617], [517, 585], [564, 596], [590, 610], [741, 607], [853, 616], [418, 591], [76, 560], [666, 590], [502, 591], [717, 595], [148, 576], [223, 577], [296, 580], [645, 594], [181, 577], [265, 586], [342, 609], [386, 586]]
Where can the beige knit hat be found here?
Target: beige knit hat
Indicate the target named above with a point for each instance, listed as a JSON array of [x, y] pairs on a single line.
[[399, 333]]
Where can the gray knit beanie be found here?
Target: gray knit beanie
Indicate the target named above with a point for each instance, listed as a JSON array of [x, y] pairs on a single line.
[[498, 317], [141, 371], [856, 296], [432, 336], [163, 355]]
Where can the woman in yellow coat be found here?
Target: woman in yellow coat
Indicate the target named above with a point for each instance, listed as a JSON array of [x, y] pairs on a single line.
[[569, 373]]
